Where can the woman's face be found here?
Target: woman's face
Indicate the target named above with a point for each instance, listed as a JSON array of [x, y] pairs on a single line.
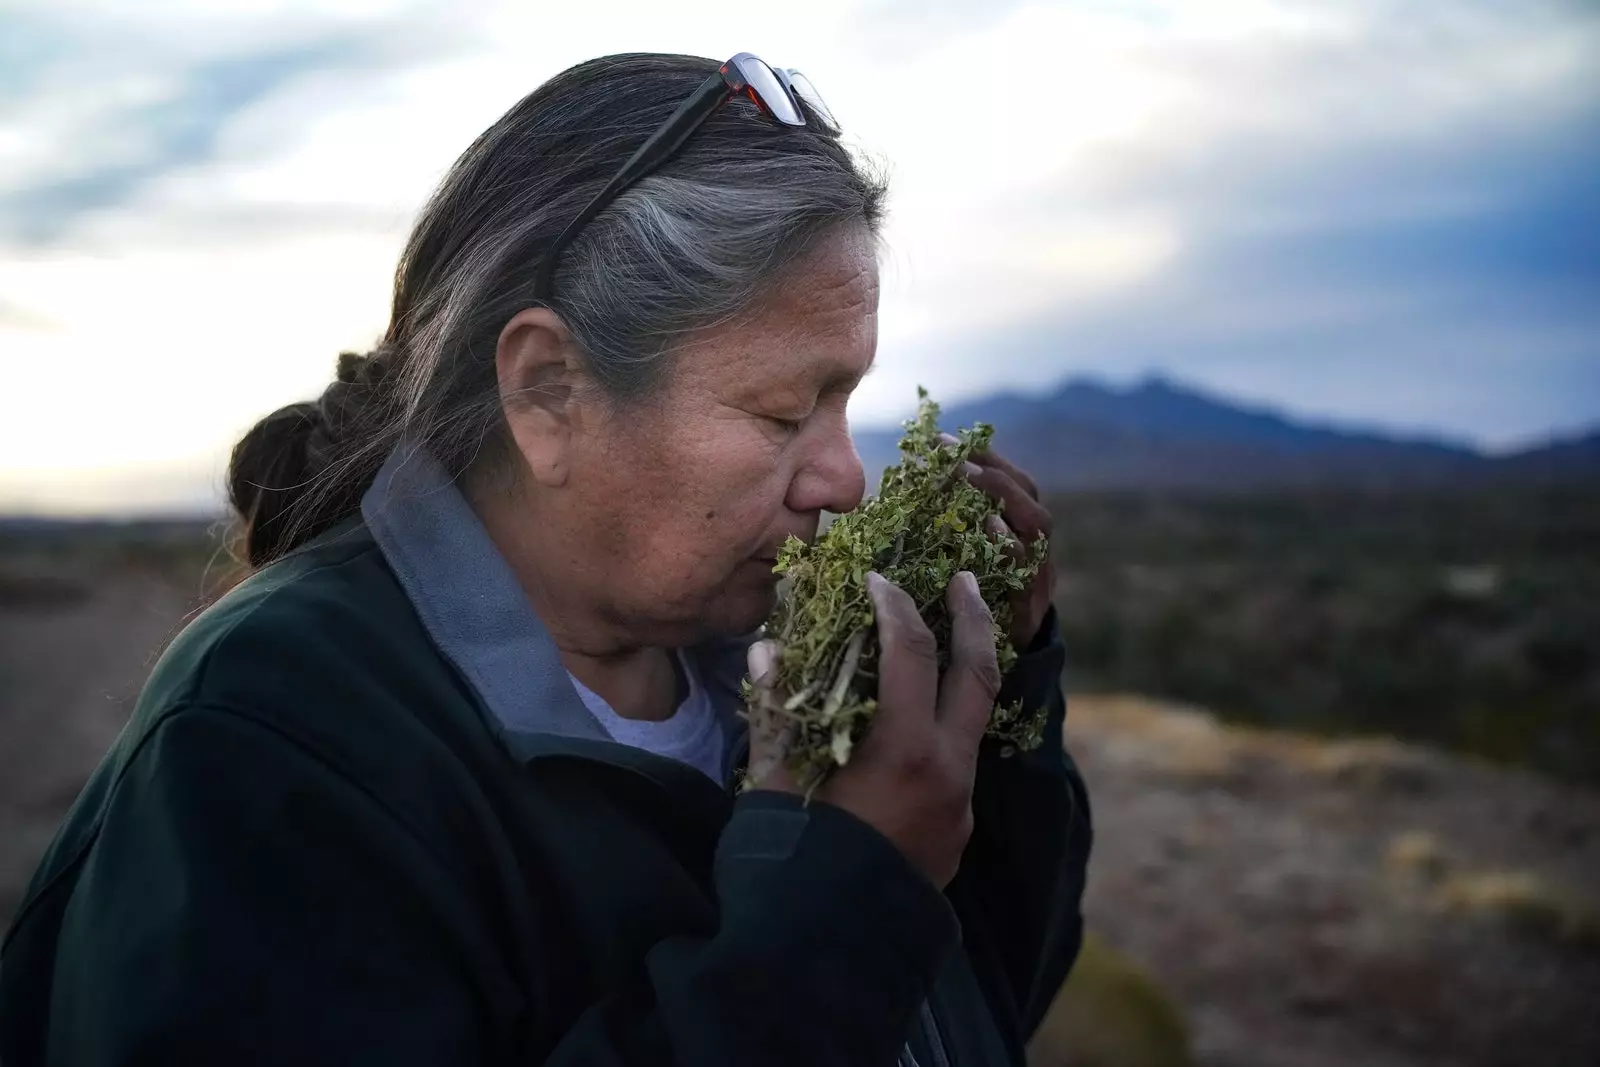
[[675, 508]]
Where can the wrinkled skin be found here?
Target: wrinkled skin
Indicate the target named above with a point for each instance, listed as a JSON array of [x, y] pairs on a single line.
[[655, 525]]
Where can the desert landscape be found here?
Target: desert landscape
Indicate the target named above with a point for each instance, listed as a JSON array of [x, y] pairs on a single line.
[[1313, 903], [1258, 896], [1287, 309]]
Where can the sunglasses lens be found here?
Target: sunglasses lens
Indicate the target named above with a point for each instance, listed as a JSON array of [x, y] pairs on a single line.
[[771, 91], [808, 93]]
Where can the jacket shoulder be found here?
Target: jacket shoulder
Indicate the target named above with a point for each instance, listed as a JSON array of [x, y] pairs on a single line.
[[323, 649], [281, 627]]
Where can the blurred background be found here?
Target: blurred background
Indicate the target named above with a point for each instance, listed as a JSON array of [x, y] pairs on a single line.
[[1292, 307]]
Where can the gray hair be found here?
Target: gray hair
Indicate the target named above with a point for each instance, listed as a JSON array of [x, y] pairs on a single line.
[[689, 246]]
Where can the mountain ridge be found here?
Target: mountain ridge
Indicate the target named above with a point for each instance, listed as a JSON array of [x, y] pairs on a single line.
[[1159, 433]]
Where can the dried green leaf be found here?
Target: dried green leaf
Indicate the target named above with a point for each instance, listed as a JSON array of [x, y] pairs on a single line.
[[925, 524]]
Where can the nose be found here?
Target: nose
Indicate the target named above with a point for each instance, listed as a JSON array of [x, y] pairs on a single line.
[[831, 477]]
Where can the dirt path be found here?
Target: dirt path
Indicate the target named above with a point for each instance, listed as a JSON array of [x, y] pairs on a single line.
[[1369, 904]]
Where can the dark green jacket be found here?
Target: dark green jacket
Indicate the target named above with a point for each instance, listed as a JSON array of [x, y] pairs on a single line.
[[311, 845]]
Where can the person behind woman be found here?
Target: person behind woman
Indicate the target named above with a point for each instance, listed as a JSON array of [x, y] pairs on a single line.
[[450, 778]]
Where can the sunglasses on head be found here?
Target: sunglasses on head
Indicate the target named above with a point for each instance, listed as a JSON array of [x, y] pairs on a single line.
[[777, 93]]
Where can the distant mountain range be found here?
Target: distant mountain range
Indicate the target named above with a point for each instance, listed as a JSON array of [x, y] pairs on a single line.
[[1159, 434]]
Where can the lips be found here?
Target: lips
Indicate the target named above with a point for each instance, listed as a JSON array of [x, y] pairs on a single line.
[[770, 556]]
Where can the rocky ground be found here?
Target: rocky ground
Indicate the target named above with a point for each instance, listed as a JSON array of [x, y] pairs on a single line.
[[1312, 904], [1304, 903]]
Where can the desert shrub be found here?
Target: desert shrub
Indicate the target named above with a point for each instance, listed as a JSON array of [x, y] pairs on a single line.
[[1110, 1013], [1469, 619]]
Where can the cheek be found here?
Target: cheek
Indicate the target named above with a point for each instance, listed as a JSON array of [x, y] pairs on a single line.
[[734, 471], [697, 507], [724, 512]]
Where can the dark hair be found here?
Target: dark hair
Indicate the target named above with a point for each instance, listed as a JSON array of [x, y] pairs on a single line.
[[690, 245]]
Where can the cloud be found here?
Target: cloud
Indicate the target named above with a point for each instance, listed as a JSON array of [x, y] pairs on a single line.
[[1364, 286], [83, 154], [1390, 218], [1378, 209], [180, 131]]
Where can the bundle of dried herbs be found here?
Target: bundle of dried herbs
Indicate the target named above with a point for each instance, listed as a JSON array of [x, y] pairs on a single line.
[[925, 525]]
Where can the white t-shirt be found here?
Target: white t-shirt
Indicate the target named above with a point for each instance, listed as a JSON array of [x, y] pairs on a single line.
[[692, 734]]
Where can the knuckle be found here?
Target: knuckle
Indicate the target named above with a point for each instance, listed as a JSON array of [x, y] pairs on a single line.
[[986, 673], [917, 640], [919, 762], [955, 765], [975, 610], [975, 642]]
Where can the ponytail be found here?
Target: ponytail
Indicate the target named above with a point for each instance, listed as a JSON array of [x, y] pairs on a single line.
[[304, 468]]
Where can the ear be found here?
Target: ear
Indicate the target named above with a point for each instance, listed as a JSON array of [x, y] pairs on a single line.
[[536, 363]]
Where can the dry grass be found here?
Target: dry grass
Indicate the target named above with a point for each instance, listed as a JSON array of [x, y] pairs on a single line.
[[1374, 763], [1520, 901], [1183, 742], [1524, 902], [1417, 857], [1193, 745]]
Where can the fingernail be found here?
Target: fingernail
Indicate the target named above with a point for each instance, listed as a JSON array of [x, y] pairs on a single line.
[[759, 660], [971, 470], [874, 580], [949, 438], [970, 580]]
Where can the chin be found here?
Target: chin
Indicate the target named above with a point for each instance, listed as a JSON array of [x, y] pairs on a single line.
[[740, 611]]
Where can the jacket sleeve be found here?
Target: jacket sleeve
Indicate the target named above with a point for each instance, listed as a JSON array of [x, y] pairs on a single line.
[[1020, 887], [247, 904]]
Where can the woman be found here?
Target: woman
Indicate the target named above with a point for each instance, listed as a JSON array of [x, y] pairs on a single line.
[[449, 779]]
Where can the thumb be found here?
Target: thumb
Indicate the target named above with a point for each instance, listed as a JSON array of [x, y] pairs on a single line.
[[762, 662], [768, 739], [972, 681]]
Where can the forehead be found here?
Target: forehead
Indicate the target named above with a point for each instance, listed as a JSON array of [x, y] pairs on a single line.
[[816, 325]]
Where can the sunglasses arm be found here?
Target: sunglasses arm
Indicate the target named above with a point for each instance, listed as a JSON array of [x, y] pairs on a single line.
[[661, 146]]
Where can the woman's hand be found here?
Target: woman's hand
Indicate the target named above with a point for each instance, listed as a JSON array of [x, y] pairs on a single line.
[[1024, 519], [911, 779]]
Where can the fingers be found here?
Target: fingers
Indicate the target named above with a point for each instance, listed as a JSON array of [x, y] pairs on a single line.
[[908, 662], [990, 458], [1009, 542], [769, 739], [1011, 470], [761, 659], [1010, 487], [972, 681], [1023, 513]]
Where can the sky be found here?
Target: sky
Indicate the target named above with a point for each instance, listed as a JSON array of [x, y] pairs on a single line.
[[1384, 211]]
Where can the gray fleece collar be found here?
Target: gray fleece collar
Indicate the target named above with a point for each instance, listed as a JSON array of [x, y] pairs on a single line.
[[470, 601], [479, 617]]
